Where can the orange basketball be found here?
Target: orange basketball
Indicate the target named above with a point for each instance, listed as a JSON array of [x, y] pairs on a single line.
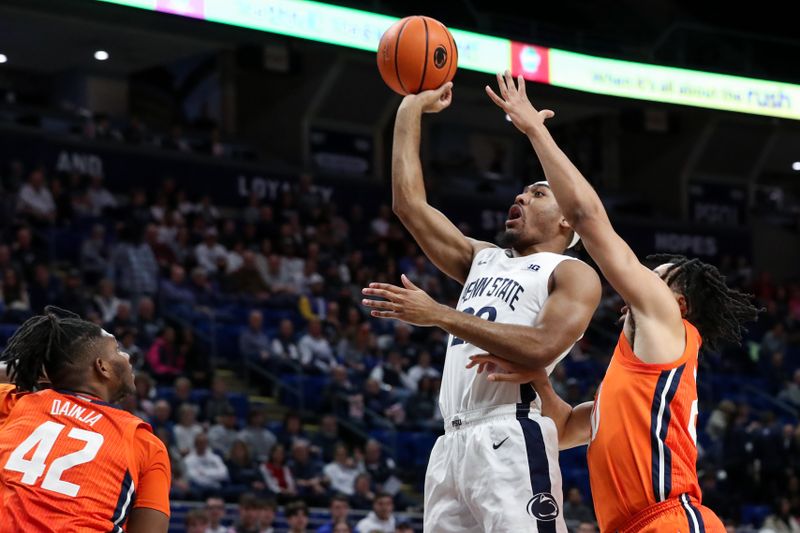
[[416, 54]]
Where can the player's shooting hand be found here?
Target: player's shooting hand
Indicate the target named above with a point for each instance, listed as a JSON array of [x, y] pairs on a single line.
[[511, 372], [431, 101], [408, 303], [515, 103]]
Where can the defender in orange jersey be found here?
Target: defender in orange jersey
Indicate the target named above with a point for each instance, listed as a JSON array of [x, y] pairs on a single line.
[[69, 460], [641, 426]]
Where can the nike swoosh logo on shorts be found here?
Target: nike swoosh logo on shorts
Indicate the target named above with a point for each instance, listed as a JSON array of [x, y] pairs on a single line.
[[495, 446]]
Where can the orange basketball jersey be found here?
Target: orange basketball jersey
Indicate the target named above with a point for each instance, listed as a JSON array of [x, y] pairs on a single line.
[[70, 462], [643, 449]]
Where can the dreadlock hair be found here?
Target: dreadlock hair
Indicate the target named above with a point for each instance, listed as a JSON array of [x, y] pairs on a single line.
[[718, 312], [53, 345]]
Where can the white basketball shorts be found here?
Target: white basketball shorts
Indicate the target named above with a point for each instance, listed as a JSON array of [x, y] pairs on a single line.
[[495, 469]]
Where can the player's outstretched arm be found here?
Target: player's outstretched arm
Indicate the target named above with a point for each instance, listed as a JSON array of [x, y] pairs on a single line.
[[563, 319], [573, 423], [641, 289], [439, 238]]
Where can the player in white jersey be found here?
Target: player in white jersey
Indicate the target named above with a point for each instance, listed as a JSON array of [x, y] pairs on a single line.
[[525, 301]]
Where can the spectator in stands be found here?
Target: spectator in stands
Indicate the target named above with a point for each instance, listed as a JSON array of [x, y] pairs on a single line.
[[266, 515], [291, 430], [381, 468], [145, 393], [422, 407], [384, 408], [35, 201], [325, 441], [307, 474], [403, 527], [423, 368], [162, 418], [586, 527], [390, 373], [14, 297], [27, 252], [246, 280], [217, 402], [259, 439], [123, 319], [363, 497], [95, 255], [359, 351], [276, 275], [163, 357], [283, 349], [174, 291], [44, 289], [197, 521], [253, 342], [215, 508], [316, 354], [337, 393], [574, 508], [380, 224], [244, 473], [162, 251], [134, 264], [250, 511], [127, 341], [791, 393], [297, 517], [380, 519], [197, 360], [209, 253], [74, 296], [278, 475], [148, 325], [187, 429], [339, 511], [781, 520], [224, 433], [313, 304], [100, 198], [205, 469], [175, 140], [105, 301], [342, 471], [181, 394]]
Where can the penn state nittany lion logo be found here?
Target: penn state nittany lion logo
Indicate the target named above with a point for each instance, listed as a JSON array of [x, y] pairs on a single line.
[[439, 56], [543, 507]]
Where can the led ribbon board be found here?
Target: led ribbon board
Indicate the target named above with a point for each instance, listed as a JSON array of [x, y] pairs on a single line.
[[354, 28]]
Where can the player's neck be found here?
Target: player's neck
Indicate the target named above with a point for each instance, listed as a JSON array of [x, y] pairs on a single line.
[[91, 389], [554, 247]]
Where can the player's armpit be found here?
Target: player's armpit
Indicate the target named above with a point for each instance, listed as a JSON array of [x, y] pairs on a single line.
[[144, 520], [155, 473]]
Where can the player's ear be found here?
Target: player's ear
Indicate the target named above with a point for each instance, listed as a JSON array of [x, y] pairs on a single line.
[[563, 223], [102, 367]]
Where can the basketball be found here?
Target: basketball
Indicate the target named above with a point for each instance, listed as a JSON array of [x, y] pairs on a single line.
[[417, 54]]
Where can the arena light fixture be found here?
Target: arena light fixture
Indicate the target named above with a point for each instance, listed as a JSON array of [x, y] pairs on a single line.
[[354, 28], [3, 58], [796, 166], [101, 55]]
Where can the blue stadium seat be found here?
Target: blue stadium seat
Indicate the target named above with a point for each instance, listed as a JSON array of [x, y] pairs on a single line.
[[755, 514]]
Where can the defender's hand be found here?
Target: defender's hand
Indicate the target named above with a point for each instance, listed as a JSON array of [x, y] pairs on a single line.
[[512, 372], [515, 103]]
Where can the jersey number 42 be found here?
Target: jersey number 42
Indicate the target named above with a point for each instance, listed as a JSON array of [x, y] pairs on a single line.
[[43, 438]]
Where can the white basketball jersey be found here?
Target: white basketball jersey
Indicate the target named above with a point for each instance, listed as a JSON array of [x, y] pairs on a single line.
[[499, 288]]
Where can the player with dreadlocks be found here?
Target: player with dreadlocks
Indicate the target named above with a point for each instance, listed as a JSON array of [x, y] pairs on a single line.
[[69, 460], [641, 427]]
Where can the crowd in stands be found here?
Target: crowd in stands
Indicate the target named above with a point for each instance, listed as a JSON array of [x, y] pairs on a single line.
[[166, 272]]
